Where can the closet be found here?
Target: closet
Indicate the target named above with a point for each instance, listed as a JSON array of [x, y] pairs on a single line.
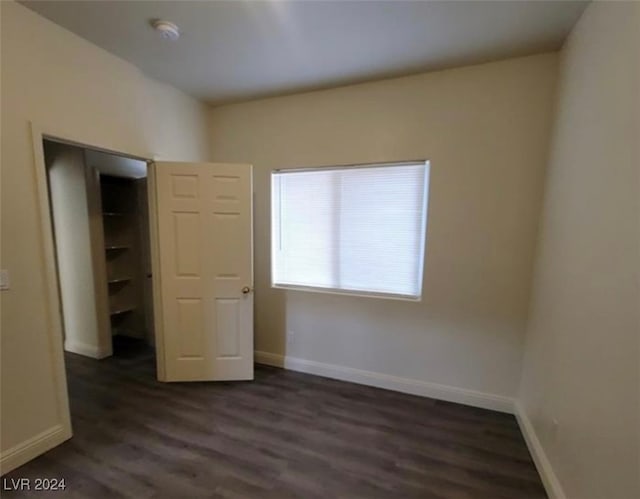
[[125, 229], [101, 231]]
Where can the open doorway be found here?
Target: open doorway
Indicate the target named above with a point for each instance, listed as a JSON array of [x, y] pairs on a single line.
[[201, 327], [100, 225]]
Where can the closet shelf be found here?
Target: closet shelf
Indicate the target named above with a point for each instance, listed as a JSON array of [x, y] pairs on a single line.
[[114, 214], [116, 247], [115, 280], [122, 310]]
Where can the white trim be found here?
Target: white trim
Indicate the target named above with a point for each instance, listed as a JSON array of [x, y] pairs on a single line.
[[388, 382], [33, 447], [156, 282], [86, 349], [351, 166], [347, 292], [269, 359], [53, 309], [543, 465]]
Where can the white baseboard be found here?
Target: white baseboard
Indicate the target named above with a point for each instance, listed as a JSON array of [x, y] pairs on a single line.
[[33, 447], [379, 380], [86, 349], [269, 359], [543, 465]]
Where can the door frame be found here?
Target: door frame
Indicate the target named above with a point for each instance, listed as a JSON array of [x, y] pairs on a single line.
[[53, 306], [156, 287]]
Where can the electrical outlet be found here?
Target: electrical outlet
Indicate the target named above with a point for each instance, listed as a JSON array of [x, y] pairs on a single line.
[[290, 336], [4, 279]]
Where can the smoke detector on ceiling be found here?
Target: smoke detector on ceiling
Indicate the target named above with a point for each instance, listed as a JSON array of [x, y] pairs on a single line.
[[166, 29]]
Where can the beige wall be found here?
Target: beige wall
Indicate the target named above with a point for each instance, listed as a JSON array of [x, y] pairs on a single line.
[[580, 384], [67, 86], [485, 130]]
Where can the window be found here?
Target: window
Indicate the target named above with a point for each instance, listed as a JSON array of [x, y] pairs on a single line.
[[358, 230]]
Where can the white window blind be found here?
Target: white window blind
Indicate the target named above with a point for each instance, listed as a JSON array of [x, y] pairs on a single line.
[[354, 230]]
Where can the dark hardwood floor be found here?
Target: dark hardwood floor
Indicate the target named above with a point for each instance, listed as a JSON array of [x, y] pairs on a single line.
[[283, 435]]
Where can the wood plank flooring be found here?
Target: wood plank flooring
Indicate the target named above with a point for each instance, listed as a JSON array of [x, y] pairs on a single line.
[[283, 435]]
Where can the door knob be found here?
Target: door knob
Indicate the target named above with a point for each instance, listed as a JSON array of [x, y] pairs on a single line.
[[246, 290]]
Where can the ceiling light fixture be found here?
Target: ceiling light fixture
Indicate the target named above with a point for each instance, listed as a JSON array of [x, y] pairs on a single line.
[[167, 29]]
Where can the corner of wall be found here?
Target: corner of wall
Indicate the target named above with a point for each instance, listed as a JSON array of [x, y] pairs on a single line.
[[543, 465]]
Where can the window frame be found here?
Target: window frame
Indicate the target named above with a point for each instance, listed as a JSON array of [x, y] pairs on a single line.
[[342, 291]]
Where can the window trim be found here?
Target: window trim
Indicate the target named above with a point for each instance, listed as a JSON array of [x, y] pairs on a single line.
[[342, 291], [347, 292], [351, 166]]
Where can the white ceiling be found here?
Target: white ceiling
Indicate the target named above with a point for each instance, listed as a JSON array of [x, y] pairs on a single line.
[[239, 49]]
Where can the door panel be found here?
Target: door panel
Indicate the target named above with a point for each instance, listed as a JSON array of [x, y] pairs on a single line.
[[205, 253], [227, 312], [190, 328]]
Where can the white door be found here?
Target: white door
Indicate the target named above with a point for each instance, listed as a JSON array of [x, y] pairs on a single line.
[[203, 271]]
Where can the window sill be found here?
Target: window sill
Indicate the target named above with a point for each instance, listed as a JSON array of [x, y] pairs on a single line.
[[344, 292]]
